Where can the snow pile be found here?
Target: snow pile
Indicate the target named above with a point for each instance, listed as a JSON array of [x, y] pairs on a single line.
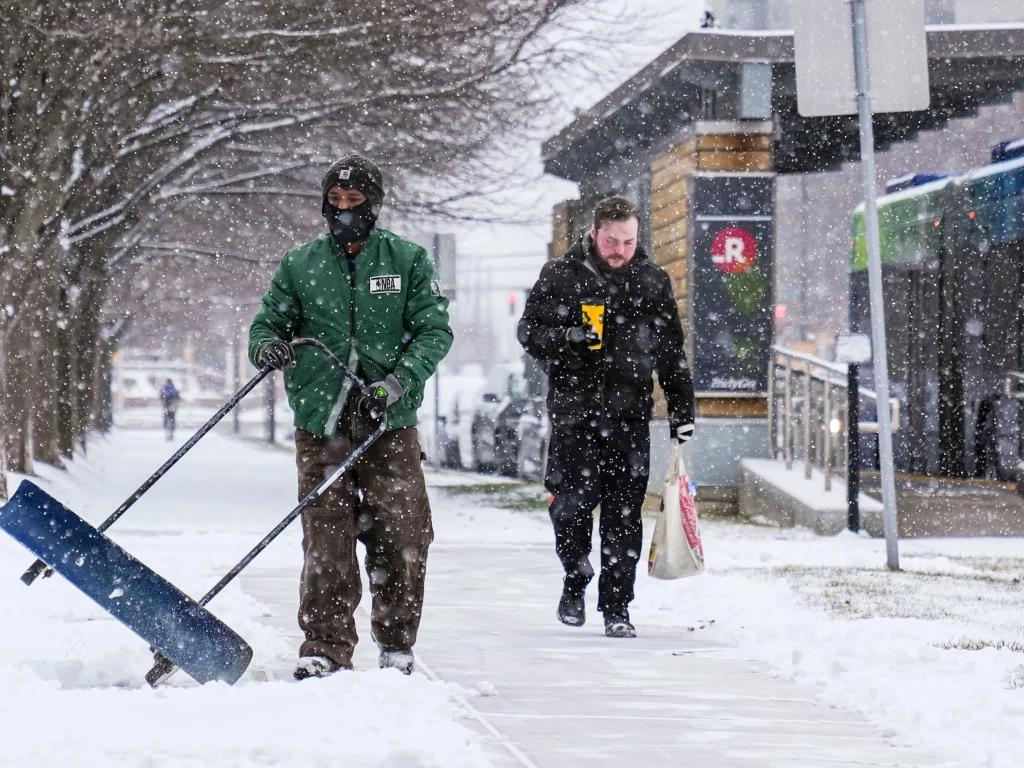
[[72, 693], [378, 718], [71, 678]]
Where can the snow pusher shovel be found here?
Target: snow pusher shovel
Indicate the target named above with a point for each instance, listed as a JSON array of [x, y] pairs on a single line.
[[164, 664], [177, 627], [676, 549]]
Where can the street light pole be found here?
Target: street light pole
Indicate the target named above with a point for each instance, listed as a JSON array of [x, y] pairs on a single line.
[[880, 348]]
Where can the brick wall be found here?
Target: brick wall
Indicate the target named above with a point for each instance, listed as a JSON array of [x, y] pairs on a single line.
[[564, 216]]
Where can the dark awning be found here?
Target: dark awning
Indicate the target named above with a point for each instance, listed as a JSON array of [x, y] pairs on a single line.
[[722, 74]]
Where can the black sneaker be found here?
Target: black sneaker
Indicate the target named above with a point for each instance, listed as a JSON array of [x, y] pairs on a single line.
[[617, 625]]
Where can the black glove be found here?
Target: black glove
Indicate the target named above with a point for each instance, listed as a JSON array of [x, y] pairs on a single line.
[[682, 433], [379, 396], [581, 337], [277, 354]]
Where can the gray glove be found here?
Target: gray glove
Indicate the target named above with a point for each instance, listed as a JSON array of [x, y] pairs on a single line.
[[277, 354], [381, 395]]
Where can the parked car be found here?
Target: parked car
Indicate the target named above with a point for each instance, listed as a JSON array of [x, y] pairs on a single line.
[[534, 431], [448, 443], [534, 424], [495, 421], [459, 390]]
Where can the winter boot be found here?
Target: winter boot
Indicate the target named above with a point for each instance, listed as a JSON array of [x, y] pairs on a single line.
[[315, 666], [403, 661], [572, 608], [617, 625]]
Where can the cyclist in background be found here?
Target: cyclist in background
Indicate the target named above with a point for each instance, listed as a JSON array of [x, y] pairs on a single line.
[[169, 397]]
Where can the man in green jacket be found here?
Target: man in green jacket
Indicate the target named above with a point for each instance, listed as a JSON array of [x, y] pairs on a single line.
[[374, 299]]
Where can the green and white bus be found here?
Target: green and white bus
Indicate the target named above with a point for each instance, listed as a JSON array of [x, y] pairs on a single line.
[[953, 276]]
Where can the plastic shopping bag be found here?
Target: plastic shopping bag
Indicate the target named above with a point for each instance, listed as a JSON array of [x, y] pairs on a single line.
[[676, 549]]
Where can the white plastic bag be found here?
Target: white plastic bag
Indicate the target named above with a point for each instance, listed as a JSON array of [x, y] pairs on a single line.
[[676, 549]]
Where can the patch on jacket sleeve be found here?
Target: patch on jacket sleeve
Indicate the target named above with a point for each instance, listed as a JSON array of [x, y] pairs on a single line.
[[386, 284], [435, 288]]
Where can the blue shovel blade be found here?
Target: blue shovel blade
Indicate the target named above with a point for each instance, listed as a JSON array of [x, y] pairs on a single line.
[[138, 597]]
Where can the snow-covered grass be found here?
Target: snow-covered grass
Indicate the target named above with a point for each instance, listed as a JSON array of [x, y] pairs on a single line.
[[932, 655]]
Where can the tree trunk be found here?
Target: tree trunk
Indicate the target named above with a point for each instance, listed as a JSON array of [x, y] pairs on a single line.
[[19, 454], [45, 354], [66, 376], [86, 354], [99, 401], [4, 427], [101, 419]]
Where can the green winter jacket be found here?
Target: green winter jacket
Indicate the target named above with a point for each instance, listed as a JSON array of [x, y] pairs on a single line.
[[396, 322]]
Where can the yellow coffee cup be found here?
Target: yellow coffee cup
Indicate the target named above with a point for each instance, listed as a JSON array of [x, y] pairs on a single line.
[[593, 315]]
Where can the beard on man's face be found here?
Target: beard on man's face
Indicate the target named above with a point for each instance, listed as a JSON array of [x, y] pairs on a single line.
[[615, 262]]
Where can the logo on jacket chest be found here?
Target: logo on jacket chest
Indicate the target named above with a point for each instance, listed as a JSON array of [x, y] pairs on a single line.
[[386, 284]]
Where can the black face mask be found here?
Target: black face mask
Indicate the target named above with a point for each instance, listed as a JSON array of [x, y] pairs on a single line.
[[350, 226]]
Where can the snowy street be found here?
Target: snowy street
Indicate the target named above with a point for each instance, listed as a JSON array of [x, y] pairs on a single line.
[[791, 650], [760, 262]]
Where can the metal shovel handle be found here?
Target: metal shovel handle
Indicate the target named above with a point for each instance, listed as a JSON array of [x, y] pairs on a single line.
[[39, 568]]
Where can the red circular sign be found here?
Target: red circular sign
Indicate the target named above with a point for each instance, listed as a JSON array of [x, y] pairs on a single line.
[[733, 250]]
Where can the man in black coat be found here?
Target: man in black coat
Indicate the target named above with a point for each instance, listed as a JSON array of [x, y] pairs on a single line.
[[602, 319]]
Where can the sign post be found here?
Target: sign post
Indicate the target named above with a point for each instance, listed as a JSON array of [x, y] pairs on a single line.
[[867, 165], [874, 58], [853, 349], [442, 253]]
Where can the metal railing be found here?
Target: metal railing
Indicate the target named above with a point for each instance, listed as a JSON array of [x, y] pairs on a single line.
[[813, 416]]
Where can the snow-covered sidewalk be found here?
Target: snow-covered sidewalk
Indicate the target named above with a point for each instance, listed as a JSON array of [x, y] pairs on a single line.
[[792, 650]]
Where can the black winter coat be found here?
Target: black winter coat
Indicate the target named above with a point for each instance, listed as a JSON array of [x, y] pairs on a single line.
[[642, 335]]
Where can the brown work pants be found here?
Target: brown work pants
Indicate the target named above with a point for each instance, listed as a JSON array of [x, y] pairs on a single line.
[[382, 502]]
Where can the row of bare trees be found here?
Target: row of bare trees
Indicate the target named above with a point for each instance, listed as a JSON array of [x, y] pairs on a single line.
[[154, 146]]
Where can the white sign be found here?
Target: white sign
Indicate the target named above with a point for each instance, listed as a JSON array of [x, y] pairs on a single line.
[[853, 348], [823, 49], [386, 284]]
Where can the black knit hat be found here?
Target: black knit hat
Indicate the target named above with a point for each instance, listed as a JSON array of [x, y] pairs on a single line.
[[355, 172]]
